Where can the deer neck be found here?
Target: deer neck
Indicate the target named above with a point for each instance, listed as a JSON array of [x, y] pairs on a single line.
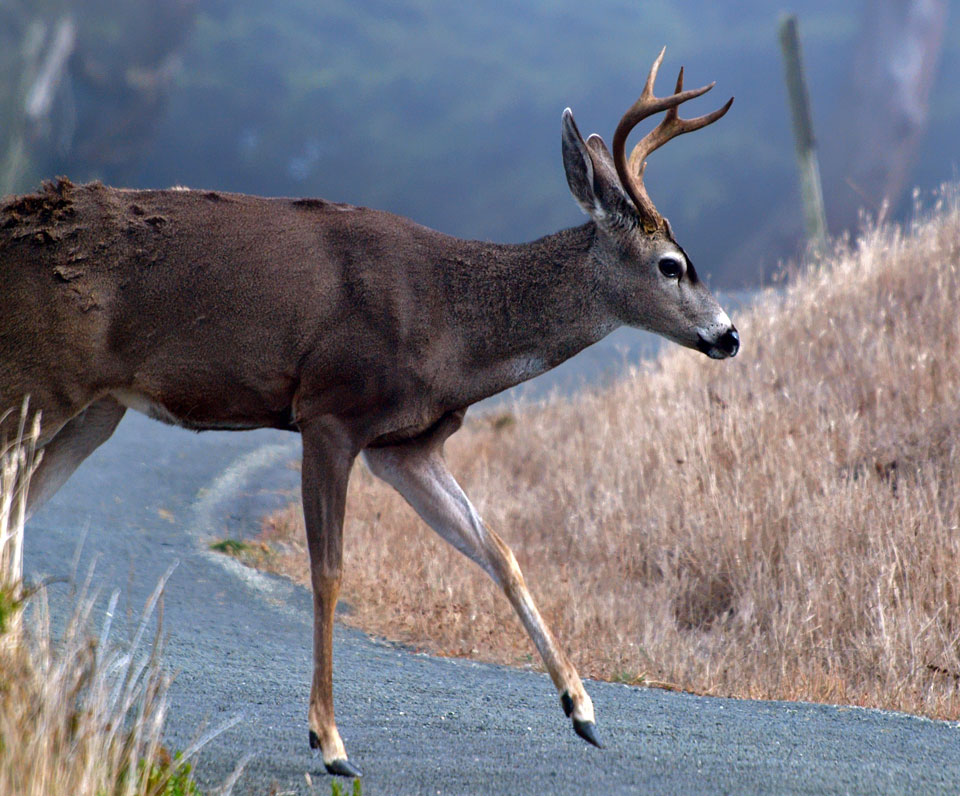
[[531, 306]]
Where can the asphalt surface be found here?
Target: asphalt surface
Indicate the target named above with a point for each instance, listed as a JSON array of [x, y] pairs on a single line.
[[240, 644]]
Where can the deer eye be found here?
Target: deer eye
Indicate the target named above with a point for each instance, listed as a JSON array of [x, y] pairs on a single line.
[[671, 267]]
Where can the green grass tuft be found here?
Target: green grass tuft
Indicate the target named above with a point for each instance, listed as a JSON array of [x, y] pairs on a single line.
[[336, 789], [168, 777], [231, 547]]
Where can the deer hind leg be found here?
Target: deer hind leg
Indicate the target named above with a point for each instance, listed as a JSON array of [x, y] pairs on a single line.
[[326, 468], [418, 471], [75, 441]]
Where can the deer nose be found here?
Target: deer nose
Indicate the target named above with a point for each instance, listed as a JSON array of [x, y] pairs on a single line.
[[729, 342]]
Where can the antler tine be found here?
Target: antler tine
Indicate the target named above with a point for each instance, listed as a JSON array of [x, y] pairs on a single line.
[[647, 92], [631, 171], [672, 113], [671, 126]]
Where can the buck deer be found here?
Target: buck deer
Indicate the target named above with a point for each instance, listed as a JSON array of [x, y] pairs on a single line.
[[364, 331]]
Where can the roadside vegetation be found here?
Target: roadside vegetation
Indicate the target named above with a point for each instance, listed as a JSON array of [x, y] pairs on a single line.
[[785, 525], [79, 714]]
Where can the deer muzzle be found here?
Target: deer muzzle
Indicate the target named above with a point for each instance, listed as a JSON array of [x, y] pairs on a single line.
[[725, 345]]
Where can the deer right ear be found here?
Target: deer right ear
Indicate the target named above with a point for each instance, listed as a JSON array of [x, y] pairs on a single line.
[[579, 166], [591, 175]]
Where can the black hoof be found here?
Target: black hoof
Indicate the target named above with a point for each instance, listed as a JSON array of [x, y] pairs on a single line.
[[343, 768], [588, 731]]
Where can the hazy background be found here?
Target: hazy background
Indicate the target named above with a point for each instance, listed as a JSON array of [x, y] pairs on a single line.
[[449, 113]]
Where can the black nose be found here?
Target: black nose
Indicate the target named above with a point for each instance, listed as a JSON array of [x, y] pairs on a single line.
[[729, 342]]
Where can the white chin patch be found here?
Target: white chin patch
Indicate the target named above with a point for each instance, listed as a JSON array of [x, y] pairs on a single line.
[[720, 325]]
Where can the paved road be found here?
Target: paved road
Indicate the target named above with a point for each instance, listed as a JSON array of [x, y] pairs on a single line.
[[241, 644]]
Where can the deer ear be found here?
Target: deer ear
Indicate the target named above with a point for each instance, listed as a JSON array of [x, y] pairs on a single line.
[[578, 165], [591, 174], [606, 183]]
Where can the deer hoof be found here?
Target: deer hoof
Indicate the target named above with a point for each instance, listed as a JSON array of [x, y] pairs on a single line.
[[588, 731], [343, 768]]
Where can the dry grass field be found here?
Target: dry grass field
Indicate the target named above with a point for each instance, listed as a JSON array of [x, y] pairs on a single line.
[[785, 525], [79, 715]]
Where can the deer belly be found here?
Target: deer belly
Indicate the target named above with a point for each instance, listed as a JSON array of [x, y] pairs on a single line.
[[147, 406], [152, 408]]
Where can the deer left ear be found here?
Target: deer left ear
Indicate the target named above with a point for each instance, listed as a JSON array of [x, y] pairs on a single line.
[[606, 183]]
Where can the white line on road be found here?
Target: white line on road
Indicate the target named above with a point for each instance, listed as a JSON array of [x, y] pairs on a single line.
[[209, 508]]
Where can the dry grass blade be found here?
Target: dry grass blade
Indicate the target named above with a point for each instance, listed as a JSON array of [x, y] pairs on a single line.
[[785, 525], [18, 461]]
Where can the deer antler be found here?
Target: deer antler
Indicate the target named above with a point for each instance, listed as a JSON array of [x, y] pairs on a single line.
[[631, 172]]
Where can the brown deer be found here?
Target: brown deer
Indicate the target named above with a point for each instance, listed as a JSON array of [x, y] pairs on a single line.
[[363, 331]]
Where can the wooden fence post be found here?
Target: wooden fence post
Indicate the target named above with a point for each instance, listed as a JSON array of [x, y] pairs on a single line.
[[811, 191]]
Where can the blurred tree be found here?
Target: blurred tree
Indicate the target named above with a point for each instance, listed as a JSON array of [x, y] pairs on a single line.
[[33, 61], [85, 84], [897, 56], [123, 71]]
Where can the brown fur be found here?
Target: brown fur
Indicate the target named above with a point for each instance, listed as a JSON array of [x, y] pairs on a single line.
[[156, 292]]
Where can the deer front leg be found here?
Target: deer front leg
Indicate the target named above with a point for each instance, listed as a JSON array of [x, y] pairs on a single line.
[[327, 458], [418, 471]]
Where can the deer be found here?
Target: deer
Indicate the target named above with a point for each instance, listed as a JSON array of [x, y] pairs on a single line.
[[368, 334]]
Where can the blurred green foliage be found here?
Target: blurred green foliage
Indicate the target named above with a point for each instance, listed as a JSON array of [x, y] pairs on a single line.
[[449, 112]]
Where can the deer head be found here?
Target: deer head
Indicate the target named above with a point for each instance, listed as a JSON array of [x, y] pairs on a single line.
[[648, 279]]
